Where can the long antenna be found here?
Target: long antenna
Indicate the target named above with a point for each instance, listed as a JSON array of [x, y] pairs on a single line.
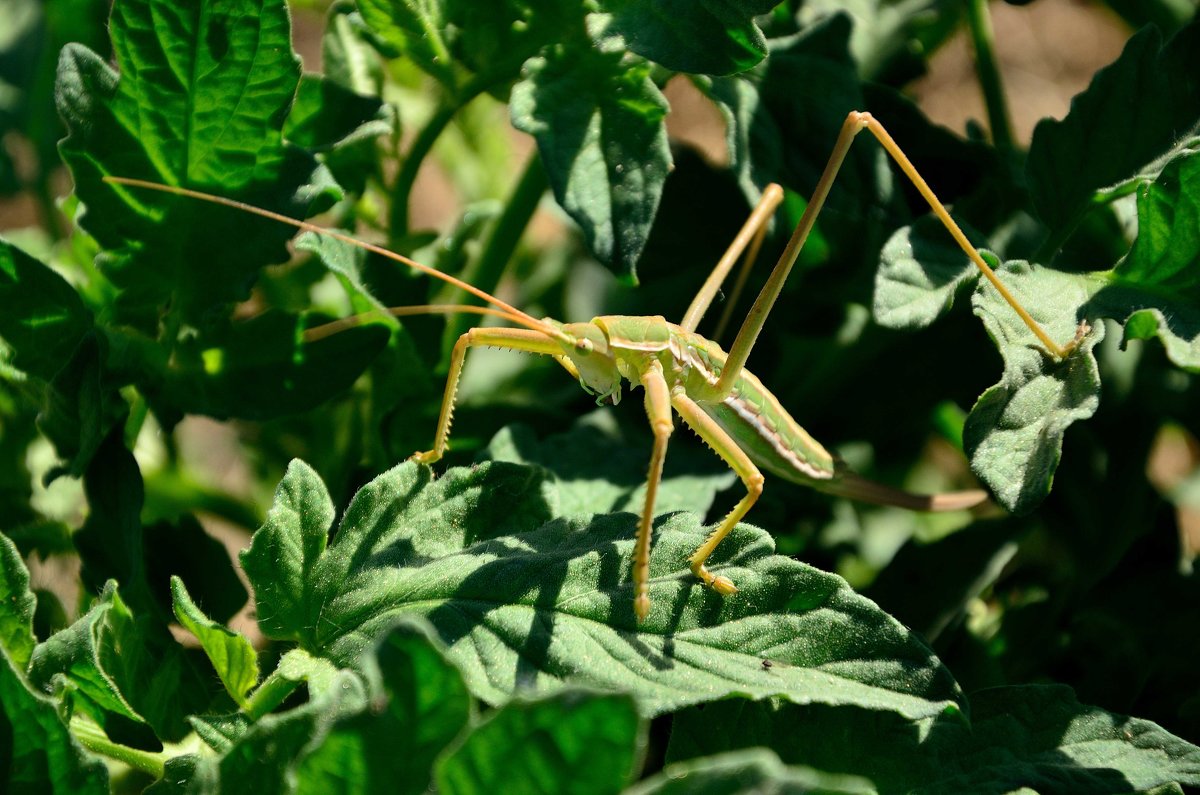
[[516, 315], [334, 326]]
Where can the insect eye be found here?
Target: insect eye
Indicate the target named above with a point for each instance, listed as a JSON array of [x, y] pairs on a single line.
[[583, 345]]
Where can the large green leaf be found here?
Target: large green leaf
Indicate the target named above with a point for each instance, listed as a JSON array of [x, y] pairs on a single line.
[[571, 741], [1035, 736], [525, 602], [716, 37], [1133, 118], [199, 100], [598, 120], [1014, 433]]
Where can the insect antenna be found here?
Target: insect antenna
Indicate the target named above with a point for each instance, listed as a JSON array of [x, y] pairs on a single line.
[[335, 326], [507, 310]]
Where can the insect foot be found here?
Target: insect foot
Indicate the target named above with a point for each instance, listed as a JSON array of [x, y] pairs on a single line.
[[720, 584], [427, 457]]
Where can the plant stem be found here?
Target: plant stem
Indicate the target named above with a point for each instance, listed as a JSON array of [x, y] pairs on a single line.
[[421, 146], [93, 738], [502, 239], [979, 21], [269, 695]]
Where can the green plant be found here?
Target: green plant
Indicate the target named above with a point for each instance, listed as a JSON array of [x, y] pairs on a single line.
[[474, 631]]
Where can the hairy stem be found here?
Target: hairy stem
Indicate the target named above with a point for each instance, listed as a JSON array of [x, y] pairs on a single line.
[[979, 22], [421, 146], [93, 738]]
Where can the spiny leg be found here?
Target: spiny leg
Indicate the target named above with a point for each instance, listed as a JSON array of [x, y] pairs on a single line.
[[508, 338], [855, 123], [658, 408], [733, 455], [754, 228]]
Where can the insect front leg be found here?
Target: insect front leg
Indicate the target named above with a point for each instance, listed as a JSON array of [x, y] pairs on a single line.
[[733, 455], [508, 338], [658, 409]]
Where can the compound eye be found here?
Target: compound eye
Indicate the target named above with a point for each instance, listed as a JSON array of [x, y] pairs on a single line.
[[583, 345]]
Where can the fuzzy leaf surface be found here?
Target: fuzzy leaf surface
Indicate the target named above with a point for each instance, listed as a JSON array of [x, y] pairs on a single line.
[[1013, 435], [1155, 290], [920, 272], [525, 602], [231, 654]]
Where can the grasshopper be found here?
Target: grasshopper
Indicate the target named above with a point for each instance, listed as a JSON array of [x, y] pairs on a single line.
[[682, 372]]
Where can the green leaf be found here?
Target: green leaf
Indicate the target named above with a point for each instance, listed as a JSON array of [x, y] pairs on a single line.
[[716, 37], [1013, 435], [1035, 736], [520, 601], [748, 772], [266, 367], [284, 552], [232, 656], [84, 652], [41, 316], [921, 270], [1155, 290], [450, 38], [574, 741], [1135, 116], [782, 119], [597, 471], [346, 53], [40, 755], [327, 115], [413, 28], [265, 759], [199, 100], [17, 604], [598, 121], [392, 746]]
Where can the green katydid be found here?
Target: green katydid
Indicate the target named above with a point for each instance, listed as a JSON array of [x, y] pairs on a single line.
[[684, 373]]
